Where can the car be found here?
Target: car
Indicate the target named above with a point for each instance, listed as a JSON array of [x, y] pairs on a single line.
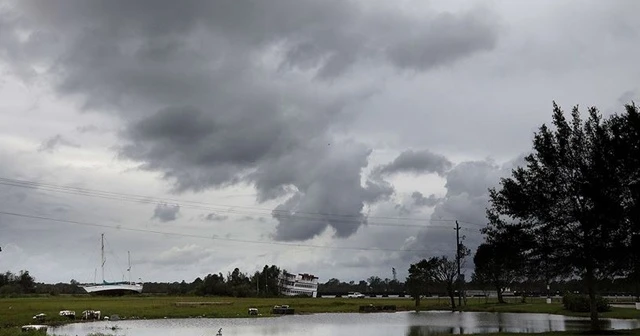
[[355, 295]]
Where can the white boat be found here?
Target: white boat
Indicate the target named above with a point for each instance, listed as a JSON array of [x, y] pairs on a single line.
[[112, 288]]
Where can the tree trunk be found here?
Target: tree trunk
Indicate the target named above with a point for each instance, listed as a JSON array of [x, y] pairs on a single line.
[[417, 298], [499, 292], [452, 296], [591, 290]]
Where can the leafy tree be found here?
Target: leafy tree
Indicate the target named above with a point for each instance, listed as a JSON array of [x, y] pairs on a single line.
[[27, 282], [268, 281], [446, 272], [375, 283], [420, 274], [503, 259], [571, 196], [432, 271]]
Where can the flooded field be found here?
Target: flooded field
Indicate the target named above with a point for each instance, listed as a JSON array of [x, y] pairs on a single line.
[[347, 324]]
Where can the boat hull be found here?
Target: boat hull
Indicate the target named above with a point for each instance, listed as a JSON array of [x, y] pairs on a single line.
[[113, 289]]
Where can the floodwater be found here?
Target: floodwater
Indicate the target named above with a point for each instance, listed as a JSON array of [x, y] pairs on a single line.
[[346, 324]]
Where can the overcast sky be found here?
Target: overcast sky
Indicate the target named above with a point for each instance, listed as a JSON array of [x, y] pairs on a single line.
[[339, 138]]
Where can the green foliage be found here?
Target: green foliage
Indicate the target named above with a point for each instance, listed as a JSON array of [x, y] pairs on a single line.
[[579, 303], [503, 259], [435, 270], [16, 284], [578, 196]]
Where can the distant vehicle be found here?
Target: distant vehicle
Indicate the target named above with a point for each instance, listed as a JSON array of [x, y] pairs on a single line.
[[355, 295]]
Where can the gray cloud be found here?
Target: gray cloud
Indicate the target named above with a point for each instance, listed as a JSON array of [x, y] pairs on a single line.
[[166, 212], [55, 142], [466, 201], [215, 94], [420, 200], [329, 190], [627, 97], [391, 75], [466, 33], [214, 217], [416, 162], [90, 129]]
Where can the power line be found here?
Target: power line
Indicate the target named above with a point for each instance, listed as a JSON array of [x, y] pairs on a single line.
[[119, 227], [355, 219], [95, 192]]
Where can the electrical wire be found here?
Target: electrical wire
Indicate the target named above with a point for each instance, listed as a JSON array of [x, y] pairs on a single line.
[[355, 219], [177, 234]]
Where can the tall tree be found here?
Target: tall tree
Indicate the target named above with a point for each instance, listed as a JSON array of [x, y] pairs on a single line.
[[446, 272], [571, 195], [435, 270], [506, 256], [420, 274]]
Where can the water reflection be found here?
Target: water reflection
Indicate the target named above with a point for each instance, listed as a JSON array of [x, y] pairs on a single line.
[[433, 323], [380, 324]]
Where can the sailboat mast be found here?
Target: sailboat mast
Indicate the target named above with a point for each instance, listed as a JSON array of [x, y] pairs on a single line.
[[102, 255]]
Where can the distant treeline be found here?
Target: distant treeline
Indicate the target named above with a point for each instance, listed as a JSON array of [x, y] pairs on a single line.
[[21, 283], [265, 284]]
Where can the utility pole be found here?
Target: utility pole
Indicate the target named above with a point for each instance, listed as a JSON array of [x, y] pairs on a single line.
[[458, 261]]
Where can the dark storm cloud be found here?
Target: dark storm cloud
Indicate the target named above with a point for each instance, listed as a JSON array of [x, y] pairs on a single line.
[[466, 33], [53, 143], [420, 200], [416, 162], [330, 194], [215, 93], [166, 212]]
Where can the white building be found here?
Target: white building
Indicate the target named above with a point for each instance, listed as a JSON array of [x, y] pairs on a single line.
[[300, 284]]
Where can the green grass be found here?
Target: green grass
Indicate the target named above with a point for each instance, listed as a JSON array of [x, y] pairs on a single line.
[[19, 311]]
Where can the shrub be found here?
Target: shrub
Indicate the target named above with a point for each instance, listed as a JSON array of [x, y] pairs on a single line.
[[580, 303]]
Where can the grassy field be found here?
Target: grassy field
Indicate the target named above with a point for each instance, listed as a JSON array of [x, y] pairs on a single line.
[[15, 312], [19, 311]]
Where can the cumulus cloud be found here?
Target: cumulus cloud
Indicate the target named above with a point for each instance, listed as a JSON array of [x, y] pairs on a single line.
[[416, 162], [166, 212]]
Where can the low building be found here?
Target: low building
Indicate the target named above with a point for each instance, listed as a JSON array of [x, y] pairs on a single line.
[[298, 284]]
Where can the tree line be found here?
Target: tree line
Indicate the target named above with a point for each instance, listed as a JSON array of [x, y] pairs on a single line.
[[21, 283], [263, 283]]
